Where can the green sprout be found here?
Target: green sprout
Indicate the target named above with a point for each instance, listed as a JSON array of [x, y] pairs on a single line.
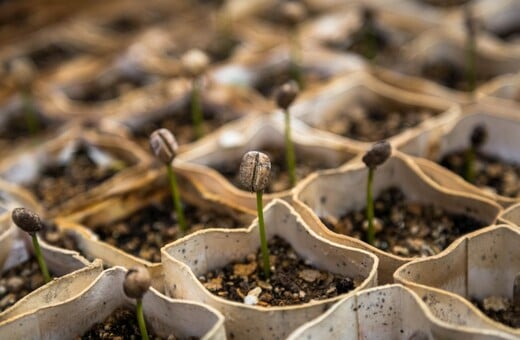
[[471, 49], [23, 72], [294, 13], [195, 62], [369, 34], [30, 222], [254, 176], [285, 95], [136, 284], [164, 146], [373, 158], [477, 139]]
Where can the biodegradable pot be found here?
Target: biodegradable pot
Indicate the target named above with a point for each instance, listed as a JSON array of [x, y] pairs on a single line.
[[325, 194], [24, 168], [254, 133], [387, 312], [194, 255], [100, 296], [502, 125], [511, 215], [362, 90], [478, 265], [505, 90]]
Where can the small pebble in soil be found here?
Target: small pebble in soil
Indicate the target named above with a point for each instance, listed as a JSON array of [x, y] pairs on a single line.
[[58, 238], [500, 309], [292, 280], [408, 229], [491, 173]]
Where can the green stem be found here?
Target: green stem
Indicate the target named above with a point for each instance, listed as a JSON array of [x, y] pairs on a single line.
[[176, 199], [371, 235], [295, 56], [289, 150], [29, 113], [469, 165], [370, 43], [196, 109], [471, 76], [140, 319], [40, 259], [263, 239]]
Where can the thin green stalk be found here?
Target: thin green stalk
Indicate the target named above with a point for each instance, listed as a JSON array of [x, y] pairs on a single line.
[[370, 43], [140, 319], [176, 199], [289, 150], [471, 66], [263, 239], [295, 58], [40, 259], [29, 113], [371, 235], [469, 165], [196, 109]]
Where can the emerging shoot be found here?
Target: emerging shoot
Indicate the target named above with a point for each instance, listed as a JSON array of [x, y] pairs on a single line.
[[254, 176], [164, 146], [195, 62], [30, 222], [477, 139], [373, 158], [24, 72], [471, 48], [284, 96], [369, 34], [136, 284], [294, 12]]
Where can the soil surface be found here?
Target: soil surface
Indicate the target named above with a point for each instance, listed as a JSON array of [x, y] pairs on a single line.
[[500, 309], [17, 127], [444, 72], [58, 238], [279, 177], [367, 41], [491, 173], [144, 232], [405, 228], [19, 281], [369, 124], [52, 54], [59, 183], [292, 281]]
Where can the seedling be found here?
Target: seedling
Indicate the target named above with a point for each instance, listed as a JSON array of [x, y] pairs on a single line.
[[294, 12], [471, 48], [30, 222], [254, 176], [368, 32], [164, 146], [136, 284], [195, 62], [23, 72], [373, 158], [477, 139], [285, 95]]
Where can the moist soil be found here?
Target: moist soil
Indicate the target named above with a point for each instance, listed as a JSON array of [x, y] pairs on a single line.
[[292, 280], [17, 129], [279, 176], [369, 124], [59, 183], [500, 309], [444, 72], [121, 324], [406, 229], [19, 281], [144, 232], [52, 55], [491, 173], [64, 239], [367, 41]]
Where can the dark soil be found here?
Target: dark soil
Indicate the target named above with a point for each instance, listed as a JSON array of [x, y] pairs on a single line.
[[17, 128], [369, 123], [144, 232], [444, 3], [368, 41], [279, 177], [500, 309], [58, 238], [446, 73], [19, 281], [491, 172], [59, 183], [406, 228], [292, 281], [52, 55]]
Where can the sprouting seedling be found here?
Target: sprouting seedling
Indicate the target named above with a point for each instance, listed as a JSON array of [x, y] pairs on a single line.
[[30, 222], [477, 139], [24, 72], [471, 48], [368, 31], [373, 158], [254, 176], [195, 62], [164, 146], [136, 284], [293, 13], [284, 96]]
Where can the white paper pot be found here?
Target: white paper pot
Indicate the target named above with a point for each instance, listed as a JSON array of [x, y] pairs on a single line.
[[478, 265], [98, 299], [387, 312], [510, 215], [504, 90], [335, 192], [196, 254]]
